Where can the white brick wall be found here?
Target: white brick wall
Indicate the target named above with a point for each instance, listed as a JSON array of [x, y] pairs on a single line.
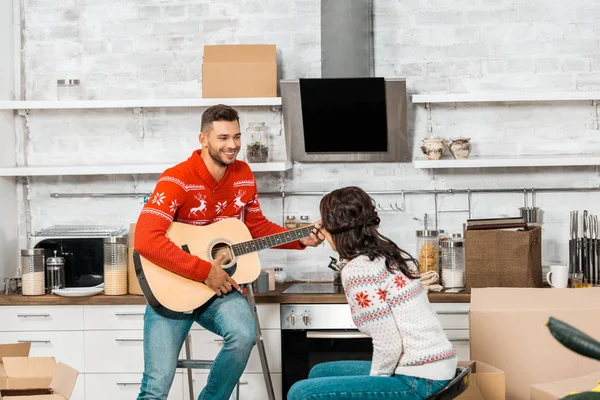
[[132, 48]]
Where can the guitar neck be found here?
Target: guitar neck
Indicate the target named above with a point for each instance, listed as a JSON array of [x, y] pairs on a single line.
[[270, 241]]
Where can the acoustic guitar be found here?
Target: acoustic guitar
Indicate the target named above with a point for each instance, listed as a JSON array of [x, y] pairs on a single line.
[[174, 296]]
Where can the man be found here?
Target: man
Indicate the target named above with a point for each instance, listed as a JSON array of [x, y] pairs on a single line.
[[209, 186]]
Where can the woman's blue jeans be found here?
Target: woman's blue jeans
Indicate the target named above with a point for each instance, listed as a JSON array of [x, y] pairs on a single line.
[[351, 380], [228, 316]]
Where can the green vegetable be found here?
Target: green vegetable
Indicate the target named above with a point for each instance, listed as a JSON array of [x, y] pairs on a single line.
[[574, 339]]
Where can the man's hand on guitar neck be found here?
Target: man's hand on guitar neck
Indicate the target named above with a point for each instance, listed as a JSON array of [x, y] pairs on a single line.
[[219, 280], [316, 236]]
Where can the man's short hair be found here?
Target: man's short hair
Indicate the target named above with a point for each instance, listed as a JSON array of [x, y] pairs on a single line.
[[219, 112]]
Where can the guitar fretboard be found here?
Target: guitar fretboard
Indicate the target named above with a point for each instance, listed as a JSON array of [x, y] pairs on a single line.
[[267, 242]]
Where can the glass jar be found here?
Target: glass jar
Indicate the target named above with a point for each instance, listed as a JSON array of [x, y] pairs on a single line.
[[55, 273], [68, 89], [442, 236], [427, 250], [32, 272], [257, 147], [280, 276], [115, 265], [453, 265]]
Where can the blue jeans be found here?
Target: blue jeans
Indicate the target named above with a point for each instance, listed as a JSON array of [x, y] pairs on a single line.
[[351, 380], [228, 316]]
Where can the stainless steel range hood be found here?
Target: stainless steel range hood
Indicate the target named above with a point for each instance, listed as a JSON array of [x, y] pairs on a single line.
[[347, 115], [347, 38]]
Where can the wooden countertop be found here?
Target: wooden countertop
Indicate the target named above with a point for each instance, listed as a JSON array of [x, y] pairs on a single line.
[[265, 298]]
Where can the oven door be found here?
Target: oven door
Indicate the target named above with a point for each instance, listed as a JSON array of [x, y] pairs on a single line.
[[303, 349]]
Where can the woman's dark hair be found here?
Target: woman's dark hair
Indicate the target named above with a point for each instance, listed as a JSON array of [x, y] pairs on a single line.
[[218, 112], [350, 216]]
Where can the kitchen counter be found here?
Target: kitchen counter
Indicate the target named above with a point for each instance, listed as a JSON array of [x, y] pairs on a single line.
[[275, 296]]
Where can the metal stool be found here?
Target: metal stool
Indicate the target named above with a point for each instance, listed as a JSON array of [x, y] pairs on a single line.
[[190, 365]]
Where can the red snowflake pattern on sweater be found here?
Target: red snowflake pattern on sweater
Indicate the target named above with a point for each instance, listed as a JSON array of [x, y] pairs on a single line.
[[382, 294], [400, 281], [362, 298]]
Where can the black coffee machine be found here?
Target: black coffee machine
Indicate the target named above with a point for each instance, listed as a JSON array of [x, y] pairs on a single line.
[[84, 259]]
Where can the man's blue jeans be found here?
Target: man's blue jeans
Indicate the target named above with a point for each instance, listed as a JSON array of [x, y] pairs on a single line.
[[228, 316], [351, 380]]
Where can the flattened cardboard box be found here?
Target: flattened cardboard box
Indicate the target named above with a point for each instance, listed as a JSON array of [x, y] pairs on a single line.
[[559, 389], [485, 382], [230, 71], [60, 387], [508, 330]]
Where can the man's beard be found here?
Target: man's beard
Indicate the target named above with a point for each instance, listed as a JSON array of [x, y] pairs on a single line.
[[215, 155]]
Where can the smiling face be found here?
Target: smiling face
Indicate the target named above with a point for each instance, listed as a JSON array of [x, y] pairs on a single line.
[[222, 142]]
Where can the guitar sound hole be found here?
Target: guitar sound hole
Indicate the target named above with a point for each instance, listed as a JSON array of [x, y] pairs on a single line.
[[222, 248]]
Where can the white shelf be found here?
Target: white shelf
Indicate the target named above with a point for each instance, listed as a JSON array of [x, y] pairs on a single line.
[[141, 103], [515, 161], [499, 97], [121, 169]]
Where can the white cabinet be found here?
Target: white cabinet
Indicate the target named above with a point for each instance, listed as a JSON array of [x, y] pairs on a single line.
[[252, 386], [455, 321], [106, 345], [123, 387], [114, 351], [100, 318], [66, 347], [79, 389], [206, 345], [41, 318]]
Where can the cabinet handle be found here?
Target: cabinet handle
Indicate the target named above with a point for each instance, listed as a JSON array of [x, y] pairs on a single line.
[[33, 315], [129, 314], [242, 383], [128, 340], [220, 340], [128, 383], [33, 341], [459, 340], [335, 335]]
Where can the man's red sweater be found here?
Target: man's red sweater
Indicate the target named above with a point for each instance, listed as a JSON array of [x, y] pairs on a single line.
[[188, 193]]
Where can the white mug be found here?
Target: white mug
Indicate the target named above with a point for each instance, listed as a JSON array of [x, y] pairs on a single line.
[[560, 276]]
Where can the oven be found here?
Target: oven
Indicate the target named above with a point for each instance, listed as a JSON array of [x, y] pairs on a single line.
[[316, 333]]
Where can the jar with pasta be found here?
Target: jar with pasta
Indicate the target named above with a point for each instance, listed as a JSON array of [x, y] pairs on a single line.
[[427, 250], [115, 265]]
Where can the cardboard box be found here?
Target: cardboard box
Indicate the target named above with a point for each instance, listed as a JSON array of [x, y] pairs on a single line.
[[485, 383], [559, 389], [132, 282], [508, 330], [18, 371], [60, 387], [239, 71]]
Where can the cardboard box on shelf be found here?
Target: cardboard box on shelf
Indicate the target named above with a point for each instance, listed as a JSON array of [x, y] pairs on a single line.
[[59, 388], [231, 71], [486, 382], [508, 330], [559, 389]]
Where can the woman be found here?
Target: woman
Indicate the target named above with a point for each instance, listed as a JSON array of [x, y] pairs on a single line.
[[412, 357]]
